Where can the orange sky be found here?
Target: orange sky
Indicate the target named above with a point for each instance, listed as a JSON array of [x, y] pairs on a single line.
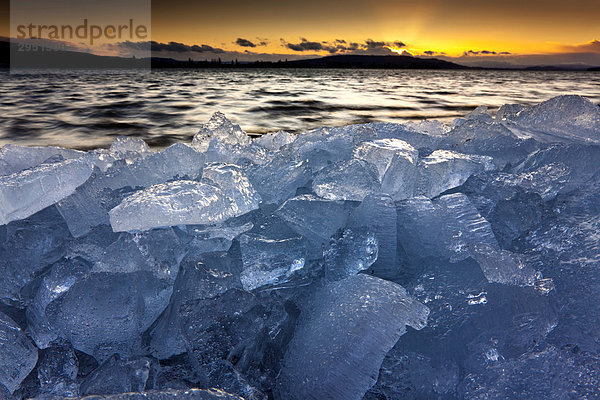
[[522, 26], [449, 26]]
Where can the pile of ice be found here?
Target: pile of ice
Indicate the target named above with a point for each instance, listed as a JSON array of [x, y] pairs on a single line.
[[377, 261]]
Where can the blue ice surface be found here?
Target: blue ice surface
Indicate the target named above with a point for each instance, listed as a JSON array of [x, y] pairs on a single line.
[[377, 262]]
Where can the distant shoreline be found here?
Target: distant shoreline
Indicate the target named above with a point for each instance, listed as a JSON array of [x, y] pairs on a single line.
[[10, 56]]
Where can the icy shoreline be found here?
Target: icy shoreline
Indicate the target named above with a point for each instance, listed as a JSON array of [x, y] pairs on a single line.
[[290, 267]]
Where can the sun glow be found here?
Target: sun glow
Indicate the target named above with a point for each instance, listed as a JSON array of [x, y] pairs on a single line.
[[398, 50]]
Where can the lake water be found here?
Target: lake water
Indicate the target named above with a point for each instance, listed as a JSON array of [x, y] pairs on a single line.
[[86, 109]]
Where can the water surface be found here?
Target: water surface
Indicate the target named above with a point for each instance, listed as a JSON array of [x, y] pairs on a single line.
[[86, 109]]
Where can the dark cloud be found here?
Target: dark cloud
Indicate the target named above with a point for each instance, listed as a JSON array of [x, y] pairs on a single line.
[[429, 52], [244, 42], [175, 47], [484, 53], [340, 45]]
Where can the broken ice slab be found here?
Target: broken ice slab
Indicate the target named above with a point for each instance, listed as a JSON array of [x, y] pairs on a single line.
[[396, 163], [195, 281], [57, 282], [563, 118], [231, 180], [24, 193], [346, 180], [116, 376], [158, 251], [15, 158], [381, 152], [275, 140], [323, 360], [443, 170], [350, 252], [106, 313], [279, 179], [27, 247], [270, 262], [377, 213], [422, 135], [212, 238], [314, 218], [18, 355], [57, 370], [244, 329], [171, 394], [502, 266], [171, 204], [221, 129], [128, 148], [476, 136]]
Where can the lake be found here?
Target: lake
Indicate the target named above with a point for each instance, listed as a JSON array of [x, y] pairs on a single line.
[[87, 109]]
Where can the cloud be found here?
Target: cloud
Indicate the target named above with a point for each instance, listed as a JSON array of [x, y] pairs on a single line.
[[175, 47], [593, 46], [484, 53], [244, 42], [342, 46]]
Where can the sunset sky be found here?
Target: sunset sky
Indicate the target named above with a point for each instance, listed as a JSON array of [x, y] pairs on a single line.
[[522, 32]]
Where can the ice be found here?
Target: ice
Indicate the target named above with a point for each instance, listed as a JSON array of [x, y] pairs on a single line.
[[323, 361], [196, 281], [128, 148], [219, 128], [15, 158], [563, 118], [292, 266], [275, 140], [18, 355], [116, 375], [57, 370], [171, 394], [27, 247], [270, 262], [24, 193], [346, 180], [237, 328], [171, 204], [231, 180], [377, 213], [349, 253], [396, 163], [106, 313], [443, 170], [314, 218]]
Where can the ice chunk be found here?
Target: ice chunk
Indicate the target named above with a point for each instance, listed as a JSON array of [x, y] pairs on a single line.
[[239, 328], [396, 163], [270, 262], [443, 170], [62, 276], [280, 179], [18, 355], [562, 118], [57, 372], [172, 394], [171, 204], [349, 253], [323, 360], [346, 180], [314, 218], [195, 281], [213, 238], [27, 247], [24, 193], [117, 376], [381, 152], [377, 213], [221, 129], [230, 179], [106, 313], [129, 148], [275, 140], [155, 251], [15, 158]]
